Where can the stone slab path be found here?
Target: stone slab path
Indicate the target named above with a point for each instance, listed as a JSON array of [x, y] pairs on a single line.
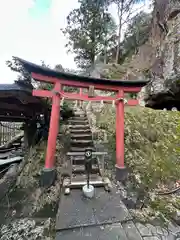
[[104, 218], [76, 211]]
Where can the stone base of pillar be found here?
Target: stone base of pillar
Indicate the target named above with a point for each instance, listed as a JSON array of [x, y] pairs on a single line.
[[48, 177], [121, 173]]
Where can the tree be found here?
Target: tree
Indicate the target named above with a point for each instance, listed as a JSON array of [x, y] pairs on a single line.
[[125, 11], [59, 67], [89, 31], [136, 34], [23, 76]]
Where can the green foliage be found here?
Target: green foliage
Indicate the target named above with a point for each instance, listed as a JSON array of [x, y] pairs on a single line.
[[23, 76], [89, 30], [136, 34], [151, 150], [125, 11]]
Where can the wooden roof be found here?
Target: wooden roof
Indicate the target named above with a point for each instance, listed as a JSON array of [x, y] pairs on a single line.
[[34, 68], [18, 104]]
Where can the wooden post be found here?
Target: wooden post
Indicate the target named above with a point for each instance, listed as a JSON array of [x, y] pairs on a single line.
[[120, 168], [30, 129], [80, 93], [26, 137]]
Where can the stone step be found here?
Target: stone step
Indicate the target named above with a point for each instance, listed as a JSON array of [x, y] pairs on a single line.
[[103, 211], [85, 136], [82, 145], [81, 141], [81, 169], [79, 111], [79, 160], [80, 126], [79, 114], [80, 131], [80, 149], [84, 177], [78, 122], [80, 180], [78, 118]]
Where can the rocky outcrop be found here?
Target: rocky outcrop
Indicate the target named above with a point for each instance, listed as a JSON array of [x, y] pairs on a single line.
[[157, 60], [164, 72]]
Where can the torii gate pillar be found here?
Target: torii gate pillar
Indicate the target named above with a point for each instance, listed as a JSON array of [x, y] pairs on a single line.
[[121, 171], [49, 173]]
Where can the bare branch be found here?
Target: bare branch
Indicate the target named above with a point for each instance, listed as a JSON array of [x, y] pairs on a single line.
[[129, 17]]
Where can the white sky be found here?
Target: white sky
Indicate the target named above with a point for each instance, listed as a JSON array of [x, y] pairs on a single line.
[[34, 39]]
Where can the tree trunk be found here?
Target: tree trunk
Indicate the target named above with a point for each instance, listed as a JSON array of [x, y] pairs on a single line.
[[105, 53], [120, 13]]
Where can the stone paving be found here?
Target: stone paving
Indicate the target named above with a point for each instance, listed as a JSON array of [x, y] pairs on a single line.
[[151, 232], [118, 228], [121, 229]]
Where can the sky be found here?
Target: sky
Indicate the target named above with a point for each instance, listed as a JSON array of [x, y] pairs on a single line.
[[31, 30]]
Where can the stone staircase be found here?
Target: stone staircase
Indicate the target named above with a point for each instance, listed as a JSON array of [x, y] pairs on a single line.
[[81, 139]]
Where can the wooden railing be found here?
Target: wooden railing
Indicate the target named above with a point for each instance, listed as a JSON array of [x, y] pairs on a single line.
[[8, 130]]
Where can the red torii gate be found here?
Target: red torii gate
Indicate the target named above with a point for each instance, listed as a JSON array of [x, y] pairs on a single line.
[[60, 79]]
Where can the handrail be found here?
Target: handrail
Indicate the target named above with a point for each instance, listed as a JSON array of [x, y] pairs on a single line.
[[82, 153]]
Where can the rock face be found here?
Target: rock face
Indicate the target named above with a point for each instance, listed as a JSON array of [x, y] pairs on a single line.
[[164, 73], [157, 60]]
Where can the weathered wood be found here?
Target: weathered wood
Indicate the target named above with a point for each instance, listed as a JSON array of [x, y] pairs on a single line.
[[79, 126], [91, 91], [5, 150], [81, 141], [82, 153], [10, 160], [76, 184], [79, 118], [6, 154], [80, 149], [81, 169], [80, 180], [79, 131], [81, 135], [16, 138], [74, 121]]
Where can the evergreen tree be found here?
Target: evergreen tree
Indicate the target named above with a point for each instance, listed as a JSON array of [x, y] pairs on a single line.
[[88, 29]]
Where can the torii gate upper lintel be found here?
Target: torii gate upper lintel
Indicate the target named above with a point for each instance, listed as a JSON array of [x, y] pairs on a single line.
[[60, 79]]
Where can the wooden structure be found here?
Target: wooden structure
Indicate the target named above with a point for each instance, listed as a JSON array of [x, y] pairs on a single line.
[[17, 104], [8, 130], [61, 79]]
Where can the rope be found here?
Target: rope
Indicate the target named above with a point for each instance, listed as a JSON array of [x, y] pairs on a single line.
[[79, 98]]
